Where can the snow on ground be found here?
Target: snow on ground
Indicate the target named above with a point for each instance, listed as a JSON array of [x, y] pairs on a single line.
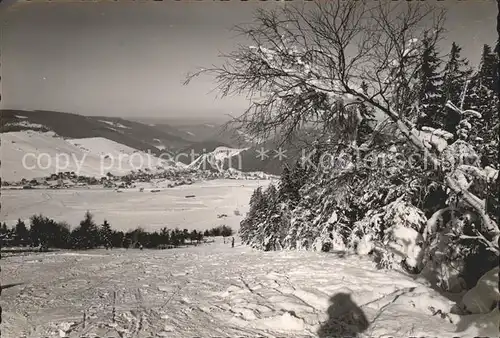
[[44, 152], [215, 290], [222, 153], [217, 158], [115, 124], [131, 208], [120, 153], [160, 145], [101, 146], [25, 124]]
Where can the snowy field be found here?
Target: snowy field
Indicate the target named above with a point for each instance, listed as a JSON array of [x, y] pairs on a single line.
[[131, 208], [215, 290]]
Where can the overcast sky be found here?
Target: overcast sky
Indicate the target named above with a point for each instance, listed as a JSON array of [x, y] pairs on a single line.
[[130, 58]]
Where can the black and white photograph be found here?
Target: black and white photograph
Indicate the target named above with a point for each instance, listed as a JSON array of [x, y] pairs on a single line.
[[249, 168]]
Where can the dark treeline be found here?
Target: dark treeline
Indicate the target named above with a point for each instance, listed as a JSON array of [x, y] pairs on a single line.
[[45, 233], [222, 230]]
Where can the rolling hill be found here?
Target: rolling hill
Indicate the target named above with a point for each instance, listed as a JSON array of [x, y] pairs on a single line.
[[31, 154], [132, 134]]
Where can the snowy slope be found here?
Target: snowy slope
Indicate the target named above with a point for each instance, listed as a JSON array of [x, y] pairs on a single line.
[[44, 152], [25, 124], [218, 159], [214, 290], [115, 124], [133, 157]]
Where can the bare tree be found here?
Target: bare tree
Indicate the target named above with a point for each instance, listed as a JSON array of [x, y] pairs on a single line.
[[315, 66]]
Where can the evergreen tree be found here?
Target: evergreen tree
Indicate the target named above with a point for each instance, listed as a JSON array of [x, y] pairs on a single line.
[[456, 75], [429, 81], [164, 236], [3, 229], [485, 132], [127, 240], [185, 235], [117, 239], [139, 237], [287, 190], [48, 233], [483, 98], [62, 235], [155, 240], [257, 209], [21, 233], [488, 71], [176, 237], [273, 229], [200, 237], [38, 230], [256, 199], [86, 235], [193, 236], [105, 234], [291, 182], [226, 231]]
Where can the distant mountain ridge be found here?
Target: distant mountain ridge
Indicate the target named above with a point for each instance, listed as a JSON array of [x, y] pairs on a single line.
[[199, 130], [194, 141], [67, 125]]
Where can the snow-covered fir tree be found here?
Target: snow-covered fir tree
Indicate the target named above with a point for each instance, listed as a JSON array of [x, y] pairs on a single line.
[[105, 234], [456, 75], [429, 93], [483, 98], [485, 131], [86, 235]]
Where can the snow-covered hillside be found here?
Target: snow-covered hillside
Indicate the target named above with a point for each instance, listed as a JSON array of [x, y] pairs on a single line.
[[115, 124], [73, 126], [135, 158], [214, 290], [25, 124], [218, 159], [30, 154]]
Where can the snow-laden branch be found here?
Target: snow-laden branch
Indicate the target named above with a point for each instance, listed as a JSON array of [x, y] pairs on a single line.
[[308, 67]]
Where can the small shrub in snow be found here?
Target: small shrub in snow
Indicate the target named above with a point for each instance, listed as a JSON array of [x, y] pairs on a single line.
[[393, 233]]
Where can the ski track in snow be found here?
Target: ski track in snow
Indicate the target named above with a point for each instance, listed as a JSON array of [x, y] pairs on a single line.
[[211, 290]]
